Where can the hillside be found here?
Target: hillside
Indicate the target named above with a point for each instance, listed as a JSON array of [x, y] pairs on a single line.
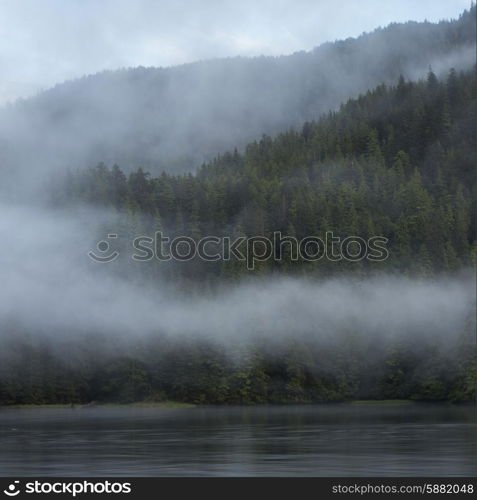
[[359, 138], [176, 118], [397, 162]]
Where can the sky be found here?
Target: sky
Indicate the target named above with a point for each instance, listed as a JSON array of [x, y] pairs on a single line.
[[45, 42]]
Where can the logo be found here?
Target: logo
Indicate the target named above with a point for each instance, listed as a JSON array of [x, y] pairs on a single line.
[[103, 247], [12, 491]]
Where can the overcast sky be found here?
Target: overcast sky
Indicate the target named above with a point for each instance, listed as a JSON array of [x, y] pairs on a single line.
[[44, 42]]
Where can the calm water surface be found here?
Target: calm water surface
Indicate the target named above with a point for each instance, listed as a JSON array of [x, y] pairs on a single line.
[[315, 440]]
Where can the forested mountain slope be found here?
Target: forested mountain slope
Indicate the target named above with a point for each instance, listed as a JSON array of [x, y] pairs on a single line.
[[397, 162], [176, 118]]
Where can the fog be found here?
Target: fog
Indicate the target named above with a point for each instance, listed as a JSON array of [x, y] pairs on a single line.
[[52, 288], [176, 118], [51, 41]]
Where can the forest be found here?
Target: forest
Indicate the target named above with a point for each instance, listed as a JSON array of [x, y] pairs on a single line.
[[398, 161]]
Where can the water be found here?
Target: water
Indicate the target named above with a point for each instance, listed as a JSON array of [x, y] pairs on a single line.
[[315, 440]]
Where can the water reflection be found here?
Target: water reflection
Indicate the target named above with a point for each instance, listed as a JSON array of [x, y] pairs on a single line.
[[315, 440]]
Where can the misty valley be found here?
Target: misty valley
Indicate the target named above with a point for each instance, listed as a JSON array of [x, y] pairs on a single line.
[[361, 140]]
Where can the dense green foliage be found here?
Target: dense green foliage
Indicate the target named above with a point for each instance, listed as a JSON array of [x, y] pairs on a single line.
[[199, 371], [398, 162]]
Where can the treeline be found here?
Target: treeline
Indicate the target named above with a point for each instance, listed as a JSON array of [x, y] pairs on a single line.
[[191, 370], [397, 162]]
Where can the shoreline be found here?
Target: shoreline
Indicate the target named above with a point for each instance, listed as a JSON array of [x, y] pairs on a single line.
[[182, 405], [141, 404]]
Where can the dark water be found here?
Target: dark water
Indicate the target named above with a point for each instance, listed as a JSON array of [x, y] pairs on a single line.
[[321, 440]]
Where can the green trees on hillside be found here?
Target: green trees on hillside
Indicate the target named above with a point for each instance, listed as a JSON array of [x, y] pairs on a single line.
[[397, 162]]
